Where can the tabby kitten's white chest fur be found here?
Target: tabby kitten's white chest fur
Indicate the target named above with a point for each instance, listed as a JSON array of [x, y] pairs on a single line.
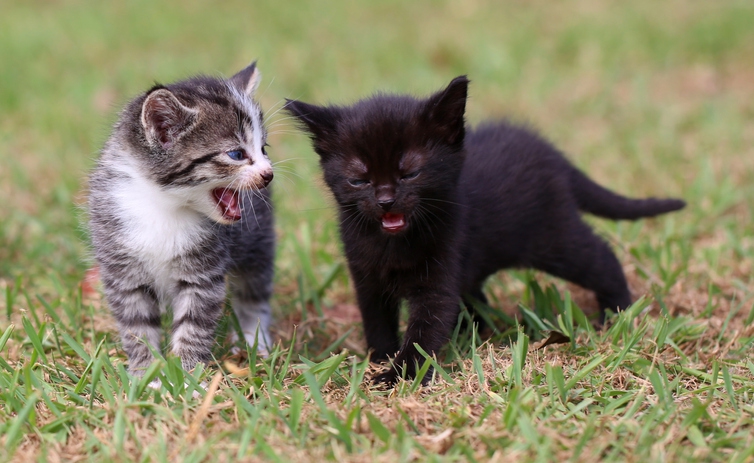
[[159, 224], [178, 202]]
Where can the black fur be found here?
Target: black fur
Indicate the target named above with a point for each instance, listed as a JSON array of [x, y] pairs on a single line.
[[474, 201]]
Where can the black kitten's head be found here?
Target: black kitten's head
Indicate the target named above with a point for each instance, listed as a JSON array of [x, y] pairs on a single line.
[[392, 160]]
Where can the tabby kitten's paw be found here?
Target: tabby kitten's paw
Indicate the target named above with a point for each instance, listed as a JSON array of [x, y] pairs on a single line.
[[157, 385]]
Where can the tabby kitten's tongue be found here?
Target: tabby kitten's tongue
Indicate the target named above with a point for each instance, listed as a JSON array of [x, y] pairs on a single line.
[[229, 203], [393, 222]]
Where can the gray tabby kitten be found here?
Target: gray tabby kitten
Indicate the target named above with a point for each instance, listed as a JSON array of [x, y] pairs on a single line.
[[178, 201]]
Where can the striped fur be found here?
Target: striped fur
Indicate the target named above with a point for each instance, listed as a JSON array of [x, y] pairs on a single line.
[[161, 236]]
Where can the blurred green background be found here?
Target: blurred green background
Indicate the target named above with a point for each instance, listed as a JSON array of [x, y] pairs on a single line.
[[647, 97]]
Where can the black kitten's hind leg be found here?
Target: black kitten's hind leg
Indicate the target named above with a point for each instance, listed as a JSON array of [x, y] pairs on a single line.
[[585, 259]]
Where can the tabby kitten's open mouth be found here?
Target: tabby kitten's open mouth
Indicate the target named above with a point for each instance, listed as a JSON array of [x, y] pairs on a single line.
[[393, 223], [229, 202]]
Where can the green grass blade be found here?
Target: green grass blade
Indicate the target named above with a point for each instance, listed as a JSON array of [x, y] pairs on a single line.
[[378, 428], [13, 436], [34, 337], [435, 365], [6, 335]]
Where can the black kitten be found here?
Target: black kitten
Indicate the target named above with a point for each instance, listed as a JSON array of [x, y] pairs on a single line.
[[429, 211]]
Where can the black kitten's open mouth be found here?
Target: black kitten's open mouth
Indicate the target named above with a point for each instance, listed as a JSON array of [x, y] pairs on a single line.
[[229, 202], [393, 222]]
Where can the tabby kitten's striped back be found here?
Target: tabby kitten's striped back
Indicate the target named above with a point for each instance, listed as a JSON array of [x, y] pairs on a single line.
[[178, 201]]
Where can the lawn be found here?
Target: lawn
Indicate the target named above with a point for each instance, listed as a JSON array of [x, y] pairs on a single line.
[[649, 98]]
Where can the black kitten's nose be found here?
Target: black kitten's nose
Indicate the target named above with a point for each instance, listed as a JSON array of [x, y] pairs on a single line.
[[386, 204], [267, 177]]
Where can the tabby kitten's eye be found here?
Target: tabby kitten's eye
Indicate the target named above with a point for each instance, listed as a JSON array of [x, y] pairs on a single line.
[[410, 175], [236, 155], [357, 181]]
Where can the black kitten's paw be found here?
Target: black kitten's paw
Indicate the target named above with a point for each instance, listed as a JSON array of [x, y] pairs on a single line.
[[387, 378]]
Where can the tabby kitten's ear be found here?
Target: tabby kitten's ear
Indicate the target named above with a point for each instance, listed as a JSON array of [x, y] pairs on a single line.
[[321, 122], [247, 80], [445, 110], [164, 118]]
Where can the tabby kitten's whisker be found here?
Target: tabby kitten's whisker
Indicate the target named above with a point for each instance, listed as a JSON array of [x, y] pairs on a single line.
[[283, 132], [265, 91], [280, 120], [287, 160], [284, 173], [275, 110]]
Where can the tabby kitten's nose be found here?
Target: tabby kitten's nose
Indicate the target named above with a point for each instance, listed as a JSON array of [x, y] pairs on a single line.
[[267, 177], [386, 204]]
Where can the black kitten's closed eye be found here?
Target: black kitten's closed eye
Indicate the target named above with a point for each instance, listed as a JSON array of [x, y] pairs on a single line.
[[236, 155], [410, 175], [357, 181]]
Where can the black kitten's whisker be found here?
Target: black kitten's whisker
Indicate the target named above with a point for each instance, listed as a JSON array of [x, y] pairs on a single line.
[[428, 229], [429, 213], [454, 203], [350, 221]]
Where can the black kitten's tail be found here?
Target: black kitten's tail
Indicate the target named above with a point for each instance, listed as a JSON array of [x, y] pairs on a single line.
[[600, 201]]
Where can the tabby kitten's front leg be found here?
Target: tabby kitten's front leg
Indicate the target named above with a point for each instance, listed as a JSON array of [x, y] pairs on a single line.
[[137, 313], [250, 293], [197, 307]]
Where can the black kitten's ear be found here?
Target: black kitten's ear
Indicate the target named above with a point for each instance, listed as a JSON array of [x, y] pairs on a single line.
[[321, 122], [247, 80], [164, 118], [445, 110]]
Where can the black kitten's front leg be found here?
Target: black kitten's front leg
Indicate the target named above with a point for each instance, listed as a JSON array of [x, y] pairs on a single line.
[[379, 315], [433, 315]]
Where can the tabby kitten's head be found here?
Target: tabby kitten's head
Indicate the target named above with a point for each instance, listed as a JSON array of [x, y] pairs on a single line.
[[202, 140], [392, 162]]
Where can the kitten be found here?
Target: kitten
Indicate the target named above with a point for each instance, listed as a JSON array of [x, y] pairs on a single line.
[[429, 209], [178, 201]]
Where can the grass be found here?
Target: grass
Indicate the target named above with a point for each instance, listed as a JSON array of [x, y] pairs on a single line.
[[649, 98]]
